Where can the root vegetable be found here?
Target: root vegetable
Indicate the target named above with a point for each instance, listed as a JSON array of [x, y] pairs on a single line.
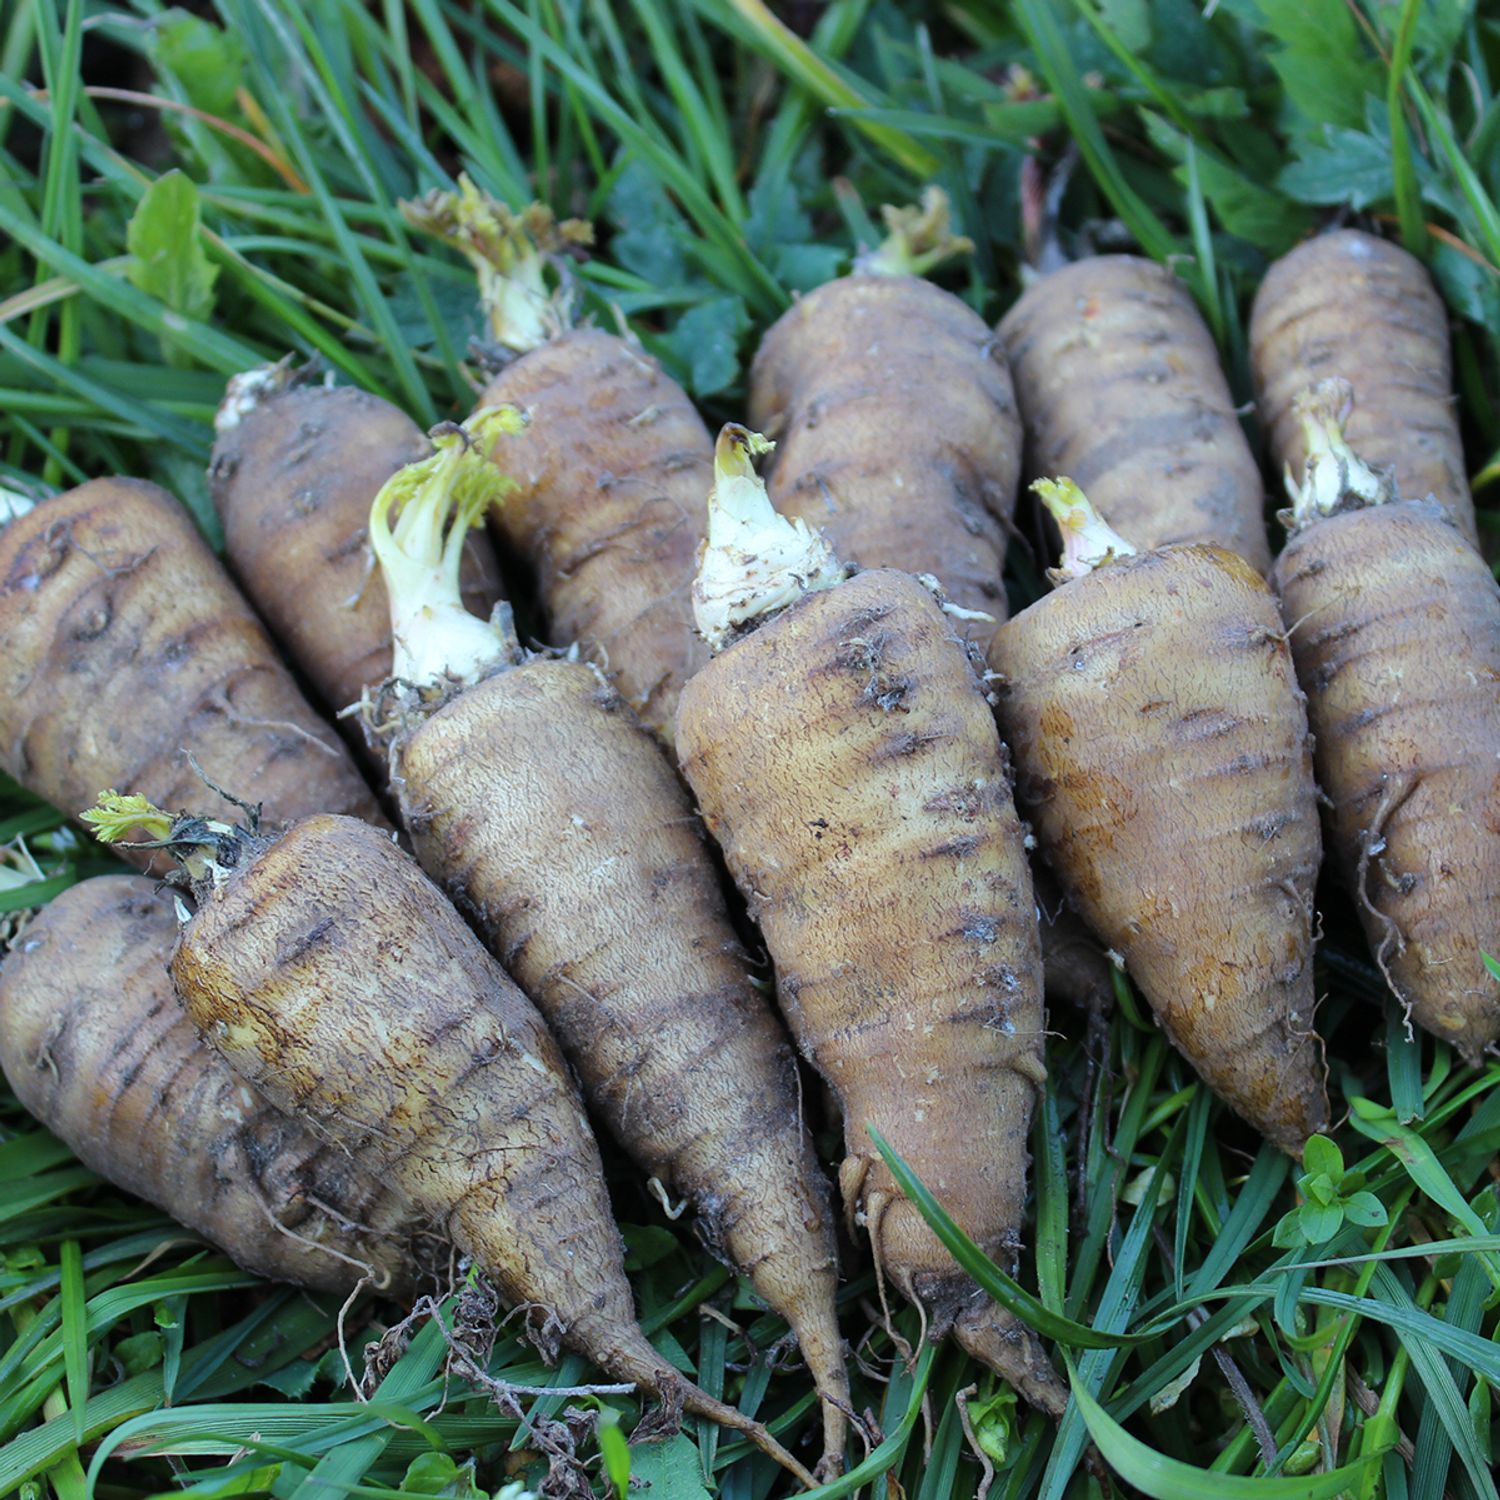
[[1120, 386], [294, 470], [333, 976], [845, 758], [1394, 621], [1351, 306], [607, 509], [128, 650], [547, 813], [1162, 757], [96, 1046], [932, 494]]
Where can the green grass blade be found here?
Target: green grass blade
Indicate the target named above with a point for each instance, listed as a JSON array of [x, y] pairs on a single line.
[[217, 350], [1203, 248], [1472, 189], [188, 436], [749, 276], [1165, 1478], [1051, 1171], [1403, 1064], [1422, 1165], [1039, 21], [1408, 192], [1117, 1304], [889, 1453], [1244, 1221], [74, 1332], [1008, 1292], [797, 61]]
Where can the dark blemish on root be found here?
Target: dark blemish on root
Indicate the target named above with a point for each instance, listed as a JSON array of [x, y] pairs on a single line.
[[978, 927], [862, 619], [490, 1049], [299, 946], [606, 699], [1263, 635], [96, 622], [967, 802], [864, 655], [999, 977], [899, 746], [1364, 718], [1210, 723], [1269, 825], [955, 848]]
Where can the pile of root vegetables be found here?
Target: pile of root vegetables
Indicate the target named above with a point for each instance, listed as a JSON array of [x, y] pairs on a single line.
[[422, 904]]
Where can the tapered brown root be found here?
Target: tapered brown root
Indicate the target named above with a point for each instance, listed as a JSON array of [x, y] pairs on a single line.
[[817, 1335], [1001, 1341]]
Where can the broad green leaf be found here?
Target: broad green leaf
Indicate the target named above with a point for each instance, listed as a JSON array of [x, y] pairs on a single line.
[[440, 1474], [615, 1452], [669, 1469], [169, 261], [646, 1245], [1244, 207], [1340, 165], [1130, 20], [206, 60], [140, 1352], [1320, 1222], [293, 1380], [1365, 1209], [994, 1423], [800, 268], [1323, 60], [1319, 1189], [650, 236], [1288, 1234], [705, 344]]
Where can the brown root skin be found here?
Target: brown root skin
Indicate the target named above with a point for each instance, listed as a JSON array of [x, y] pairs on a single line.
[[575, 853], [1351, 305], [1162, 757], [897, 432], [128, 650], [96, 1046], [1394, 621], [865, 813], [337, 979], [1006, 1345], [1120, 386], [609, 509], [292, 482]]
